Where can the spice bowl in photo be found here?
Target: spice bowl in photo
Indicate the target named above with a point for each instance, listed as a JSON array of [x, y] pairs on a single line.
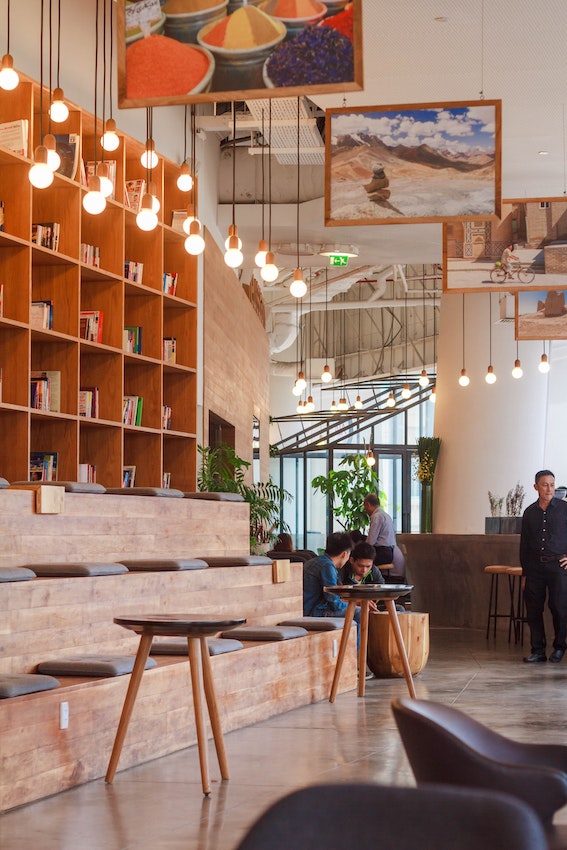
[[184, 18], [295, 14], [334, 6], [317, 55], [240, 44], [160, 66]]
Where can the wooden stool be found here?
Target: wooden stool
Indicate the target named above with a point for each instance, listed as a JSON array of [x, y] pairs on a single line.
[[196, 628], [383, 655], [515, 573], [495, 571]]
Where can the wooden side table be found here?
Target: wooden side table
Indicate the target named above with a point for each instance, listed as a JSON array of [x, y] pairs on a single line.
[[196, 628], [362, 594]]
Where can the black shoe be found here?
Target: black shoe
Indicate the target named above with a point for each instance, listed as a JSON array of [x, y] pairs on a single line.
[[557, 655], [539, 656]]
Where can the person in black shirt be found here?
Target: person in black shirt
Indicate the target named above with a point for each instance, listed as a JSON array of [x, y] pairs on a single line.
[[543, 556]]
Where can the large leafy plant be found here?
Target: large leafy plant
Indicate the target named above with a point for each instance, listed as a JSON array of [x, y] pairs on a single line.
[[346, 488], [223, 471]]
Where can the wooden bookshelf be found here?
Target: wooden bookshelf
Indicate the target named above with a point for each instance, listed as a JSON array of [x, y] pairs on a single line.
[[32, 273]]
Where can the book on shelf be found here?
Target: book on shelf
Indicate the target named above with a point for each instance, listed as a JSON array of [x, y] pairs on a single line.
[[169, 346], [41, 315], [90, 171], [67, 146], [88, 402], [133, 193], [45, 390], [132, 409], [128, 476], [14, 136], [170, 283], [166, 480], [43, 466], [87, 473], [133, 271], [2, 208], [90, 255], [1, 300], [132, 340], [46, 234], [166, 417], [90, 325]]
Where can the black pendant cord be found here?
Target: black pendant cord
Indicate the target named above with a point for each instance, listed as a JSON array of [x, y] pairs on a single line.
[[298, 188], [194, 161], [263, 173], [42, 10], [463, 320], [8, 28], [233, 161], [95, 84]]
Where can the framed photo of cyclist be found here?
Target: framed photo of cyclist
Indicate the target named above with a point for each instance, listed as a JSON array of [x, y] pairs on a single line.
[[541, 314], [428, 162], [525, 249]]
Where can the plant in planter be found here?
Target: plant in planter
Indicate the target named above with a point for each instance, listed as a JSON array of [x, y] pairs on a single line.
[[223, 471], [346, 488], [496, 503]]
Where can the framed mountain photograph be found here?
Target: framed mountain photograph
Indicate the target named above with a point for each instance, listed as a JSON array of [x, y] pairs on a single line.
[[412, 163]]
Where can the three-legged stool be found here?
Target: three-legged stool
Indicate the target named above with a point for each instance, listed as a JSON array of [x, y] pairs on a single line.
[[195, 628], [494, 613]]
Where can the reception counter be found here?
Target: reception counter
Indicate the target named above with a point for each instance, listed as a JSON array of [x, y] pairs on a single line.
[[447, 571]]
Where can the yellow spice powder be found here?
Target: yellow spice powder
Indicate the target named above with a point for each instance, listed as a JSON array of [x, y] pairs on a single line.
[[249, 27]]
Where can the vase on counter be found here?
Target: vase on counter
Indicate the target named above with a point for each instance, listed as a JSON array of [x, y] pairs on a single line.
[[426, 517]]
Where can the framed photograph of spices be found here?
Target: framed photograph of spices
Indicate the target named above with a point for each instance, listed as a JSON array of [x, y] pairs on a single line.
[[191, 51], [524, 249], [541, 314], [413, 163]]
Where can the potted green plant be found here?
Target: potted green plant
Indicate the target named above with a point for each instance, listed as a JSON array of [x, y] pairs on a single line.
[[346, 488]]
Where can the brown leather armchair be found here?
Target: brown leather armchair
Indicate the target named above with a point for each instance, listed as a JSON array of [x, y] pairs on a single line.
[[443, 745]]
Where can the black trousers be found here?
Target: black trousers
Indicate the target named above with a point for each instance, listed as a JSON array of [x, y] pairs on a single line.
[[546, 580], [384, 555]]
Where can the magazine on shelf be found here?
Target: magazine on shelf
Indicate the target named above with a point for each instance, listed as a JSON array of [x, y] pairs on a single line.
[[128, 476], [87, 473], [67, 146], [43, 466], [134, 191], [14, 136], [46, 390], [41, 315], [90, 326], [90, 171]]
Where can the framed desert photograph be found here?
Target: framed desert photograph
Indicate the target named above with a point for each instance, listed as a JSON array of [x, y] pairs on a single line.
[[525, 249], [191, 51], [541, 314], [427, 162]]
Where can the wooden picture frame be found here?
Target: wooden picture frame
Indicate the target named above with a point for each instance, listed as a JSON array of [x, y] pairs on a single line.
[[412, 163], [537, 230], [209, 72], [541, 314]]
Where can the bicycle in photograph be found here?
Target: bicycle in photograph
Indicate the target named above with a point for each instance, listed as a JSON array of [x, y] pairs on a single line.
[[522, 273]]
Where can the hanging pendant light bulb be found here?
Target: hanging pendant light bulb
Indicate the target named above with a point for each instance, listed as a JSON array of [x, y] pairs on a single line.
[[544, 365], [326, 376], [58, 111], [298, 287], [295, 389], [423, 379], [333, 406], [232, 231], [301, 382], [110, 139], [40, 174], [358, 403], [370, 459], [147, 219], [261, 254], [464, 379], [269, 273], [184, 179], [517, 371], [9, 78], [53, 158], [94, 201], [490, 376], [149, 158], [309, 404], [190, 218], [391, 400], [233, 256], [260, 257], [195, 244], [343, 404], [433, 396], [300, 408], [102, 172], [406, 392], [152, 190]]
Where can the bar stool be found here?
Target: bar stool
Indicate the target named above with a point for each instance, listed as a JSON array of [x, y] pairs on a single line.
[[196, 628], [515, 573], [494, 614]]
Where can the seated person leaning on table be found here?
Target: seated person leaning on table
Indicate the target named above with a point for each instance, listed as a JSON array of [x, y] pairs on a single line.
[[360, 569], [323, 571]]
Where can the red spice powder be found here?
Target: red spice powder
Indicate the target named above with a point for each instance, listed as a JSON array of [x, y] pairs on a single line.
[[296, 8], [341, 22], [159, 66], [217, 35]]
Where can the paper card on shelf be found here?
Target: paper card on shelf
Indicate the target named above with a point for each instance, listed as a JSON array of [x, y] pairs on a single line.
[[14, 136], [67, 146]]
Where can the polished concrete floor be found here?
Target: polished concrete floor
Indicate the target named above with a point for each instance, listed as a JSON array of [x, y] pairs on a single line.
[[160, 806]]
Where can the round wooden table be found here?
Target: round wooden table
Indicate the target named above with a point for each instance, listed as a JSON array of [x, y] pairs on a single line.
[[362, 595], [196, 628]]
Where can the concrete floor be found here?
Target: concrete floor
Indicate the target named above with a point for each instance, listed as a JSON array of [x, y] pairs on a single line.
[[160, 806]]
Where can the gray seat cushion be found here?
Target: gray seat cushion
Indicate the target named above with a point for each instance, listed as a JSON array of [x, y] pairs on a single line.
[[154, 565], [88, 568], [70, 486], [217, 646], [315, 624], [236, 560], [4, 483], [92, 665], [265, 633], [18, 684], [16, 574], [168, 492], [215, 497]]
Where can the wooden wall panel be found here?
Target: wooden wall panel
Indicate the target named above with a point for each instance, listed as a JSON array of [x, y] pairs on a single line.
[[236, 357]]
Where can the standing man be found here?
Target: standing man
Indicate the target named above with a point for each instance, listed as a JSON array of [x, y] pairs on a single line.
[[543, 556], [381, 533]]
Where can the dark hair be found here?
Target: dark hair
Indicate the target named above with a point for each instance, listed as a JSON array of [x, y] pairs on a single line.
[[372, 499], [363, 551], [543, 472], [357, 536], [338, 542], [284, 543]]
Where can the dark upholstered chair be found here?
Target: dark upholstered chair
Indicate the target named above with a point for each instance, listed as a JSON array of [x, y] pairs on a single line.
[[443, 745], [373, 817]]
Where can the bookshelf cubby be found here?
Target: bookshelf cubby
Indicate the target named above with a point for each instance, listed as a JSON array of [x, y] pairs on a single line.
[[30, 272]]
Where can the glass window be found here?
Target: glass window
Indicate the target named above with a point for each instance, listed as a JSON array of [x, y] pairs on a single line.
[[391, 432], [316, 504]]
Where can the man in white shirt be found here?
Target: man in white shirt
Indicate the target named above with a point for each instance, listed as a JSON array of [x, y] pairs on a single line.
[[381, 533]]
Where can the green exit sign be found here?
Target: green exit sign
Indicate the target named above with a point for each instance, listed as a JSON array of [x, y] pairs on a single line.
[[338, 260]]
